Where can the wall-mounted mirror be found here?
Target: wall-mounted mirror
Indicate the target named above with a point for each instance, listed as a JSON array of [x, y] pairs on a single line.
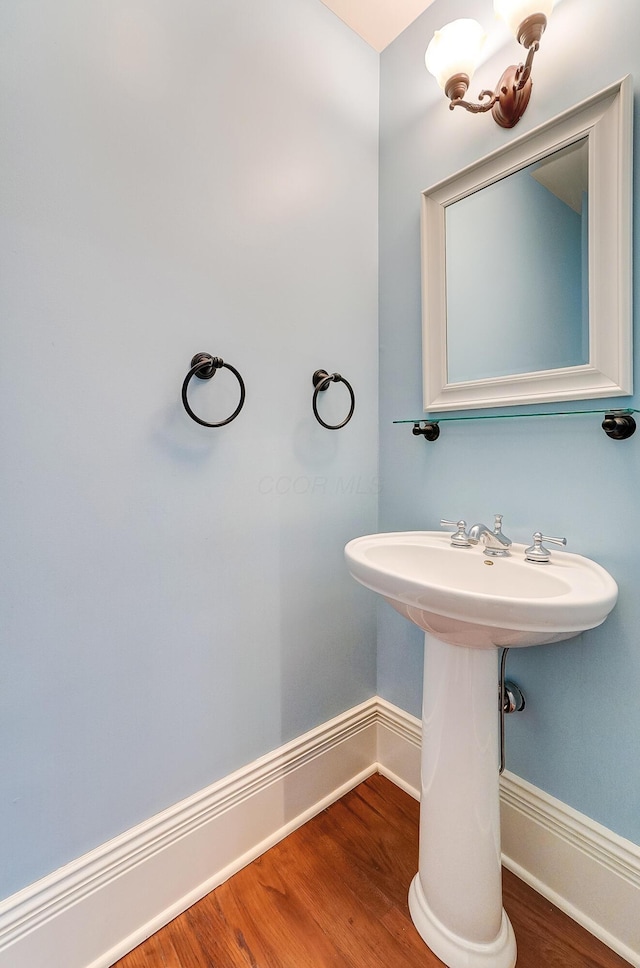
[[526, 266]]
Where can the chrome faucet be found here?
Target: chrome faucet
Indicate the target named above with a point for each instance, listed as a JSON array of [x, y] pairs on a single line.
[[495, 542]]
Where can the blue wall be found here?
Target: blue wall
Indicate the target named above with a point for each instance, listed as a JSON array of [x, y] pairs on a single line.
[[177, 177], [578, 737]]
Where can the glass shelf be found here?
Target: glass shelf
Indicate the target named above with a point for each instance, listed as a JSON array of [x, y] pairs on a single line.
[[618, 423], [434, 418]]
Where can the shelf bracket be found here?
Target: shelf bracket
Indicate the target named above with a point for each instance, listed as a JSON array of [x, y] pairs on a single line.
[[619, 426], [429, 430]]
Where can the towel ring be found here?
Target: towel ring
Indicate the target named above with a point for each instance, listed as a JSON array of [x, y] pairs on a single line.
[[204, 366], [321, 381]]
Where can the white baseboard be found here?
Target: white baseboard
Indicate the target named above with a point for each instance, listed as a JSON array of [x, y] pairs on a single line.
[[399, 742], [580, 866], [96, 909], [93, 911]]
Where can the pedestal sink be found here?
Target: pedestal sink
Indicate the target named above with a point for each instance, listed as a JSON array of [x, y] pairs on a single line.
[[469, 605]]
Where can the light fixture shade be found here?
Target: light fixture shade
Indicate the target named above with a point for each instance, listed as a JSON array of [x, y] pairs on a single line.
[[455, 49], [513, 12]]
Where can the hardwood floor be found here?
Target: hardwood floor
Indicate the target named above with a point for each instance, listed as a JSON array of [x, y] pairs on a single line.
[[334, 894]]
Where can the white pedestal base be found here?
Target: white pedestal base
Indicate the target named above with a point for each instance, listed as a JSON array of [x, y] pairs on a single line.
[[456, 897], [459, 952]]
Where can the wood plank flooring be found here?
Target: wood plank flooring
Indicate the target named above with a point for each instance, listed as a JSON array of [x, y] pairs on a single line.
[[334, 894]]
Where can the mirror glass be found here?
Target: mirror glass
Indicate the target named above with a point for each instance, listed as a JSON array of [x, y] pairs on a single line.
[[547, 326], [526, 266]]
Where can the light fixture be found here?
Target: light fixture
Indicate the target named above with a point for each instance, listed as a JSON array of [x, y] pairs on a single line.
[[454, 52]]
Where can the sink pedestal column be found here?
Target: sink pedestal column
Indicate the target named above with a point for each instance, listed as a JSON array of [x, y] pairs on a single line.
[[455, 898]]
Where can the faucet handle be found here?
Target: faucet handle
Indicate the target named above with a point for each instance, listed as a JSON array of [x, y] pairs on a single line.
[[537, 551], [497, 530], [460, 539]]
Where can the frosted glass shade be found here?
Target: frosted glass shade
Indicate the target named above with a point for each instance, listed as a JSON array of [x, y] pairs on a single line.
[[455, 50], [513, 12]]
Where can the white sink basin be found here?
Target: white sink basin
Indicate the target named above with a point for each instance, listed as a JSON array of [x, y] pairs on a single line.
[[465, 598]]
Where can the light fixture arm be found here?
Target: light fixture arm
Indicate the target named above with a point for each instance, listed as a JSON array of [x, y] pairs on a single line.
[[474, 107], [525, 69]]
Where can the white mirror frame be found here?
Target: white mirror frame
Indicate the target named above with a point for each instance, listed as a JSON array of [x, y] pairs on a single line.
[[607, 120]]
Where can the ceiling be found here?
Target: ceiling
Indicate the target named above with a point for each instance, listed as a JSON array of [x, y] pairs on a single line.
[[378, 21]]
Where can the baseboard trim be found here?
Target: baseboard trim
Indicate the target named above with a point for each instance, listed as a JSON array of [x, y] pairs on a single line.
[[580, 866], [96, 909], [93, 911], [399, 740]]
